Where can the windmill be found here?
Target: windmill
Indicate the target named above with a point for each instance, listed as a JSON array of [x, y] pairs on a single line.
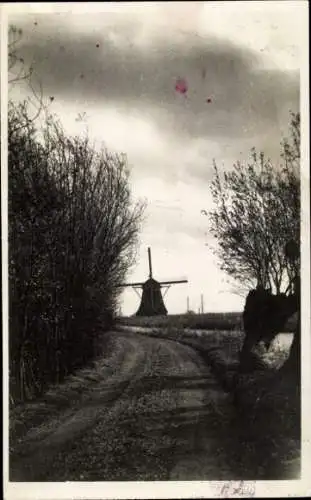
[[151, 300]]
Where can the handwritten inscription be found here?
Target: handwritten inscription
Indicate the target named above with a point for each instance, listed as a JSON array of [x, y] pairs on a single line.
[[238, 489]]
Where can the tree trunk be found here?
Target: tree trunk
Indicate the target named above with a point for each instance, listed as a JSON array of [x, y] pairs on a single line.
[[293, 364]]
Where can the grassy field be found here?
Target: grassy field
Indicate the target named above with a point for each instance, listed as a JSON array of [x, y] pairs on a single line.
[[206, 321]]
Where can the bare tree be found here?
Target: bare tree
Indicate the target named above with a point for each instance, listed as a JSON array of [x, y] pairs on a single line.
[[19, 72], [256, 222], [257, 214]]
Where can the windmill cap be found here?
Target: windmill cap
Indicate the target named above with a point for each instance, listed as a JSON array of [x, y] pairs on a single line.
[[151, 282]]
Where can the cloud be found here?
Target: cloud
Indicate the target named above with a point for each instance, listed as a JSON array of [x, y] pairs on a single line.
[[110, 69], [173, 213]]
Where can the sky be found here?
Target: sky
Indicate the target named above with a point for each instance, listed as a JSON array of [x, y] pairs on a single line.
[[117, 64]]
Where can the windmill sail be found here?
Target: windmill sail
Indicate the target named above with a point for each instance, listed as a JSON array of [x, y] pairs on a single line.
[[150, 264]]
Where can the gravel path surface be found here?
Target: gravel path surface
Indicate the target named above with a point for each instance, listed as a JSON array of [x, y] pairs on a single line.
[[153, 411]]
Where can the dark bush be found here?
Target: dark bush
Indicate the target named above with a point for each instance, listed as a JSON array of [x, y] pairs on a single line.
[[73, 231]]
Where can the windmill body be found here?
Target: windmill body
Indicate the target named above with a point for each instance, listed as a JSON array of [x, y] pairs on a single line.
[[152, 303]]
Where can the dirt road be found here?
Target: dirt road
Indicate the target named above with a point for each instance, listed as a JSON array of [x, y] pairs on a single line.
[[150, 411]]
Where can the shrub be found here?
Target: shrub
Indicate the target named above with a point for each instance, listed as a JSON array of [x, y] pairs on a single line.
[[73, 231]]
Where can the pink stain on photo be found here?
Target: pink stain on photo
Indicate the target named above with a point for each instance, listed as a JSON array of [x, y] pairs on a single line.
[[181, 86]]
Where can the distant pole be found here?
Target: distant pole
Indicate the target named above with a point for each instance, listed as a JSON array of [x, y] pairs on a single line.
[[202, 303], [150, 265], [187, 304]]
